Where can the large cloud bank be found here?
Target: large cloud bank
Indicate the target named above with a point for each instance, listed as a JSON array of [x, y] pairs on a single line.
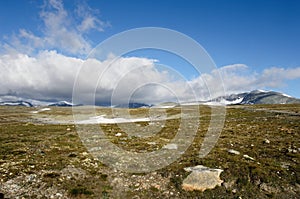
[[50, 75]]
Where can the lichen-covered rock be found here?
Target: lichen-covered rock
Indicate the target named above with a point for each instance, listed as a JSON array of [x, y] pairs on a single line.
[[202, 178]]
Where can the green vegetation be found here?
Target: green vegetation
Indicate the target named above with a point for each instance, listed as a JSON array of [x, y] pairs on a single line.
[[80, 191], [47, 159]]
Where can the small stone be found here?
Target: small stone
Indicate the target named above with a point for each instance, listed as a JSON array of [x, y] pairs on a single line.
[[232, 151], [151, 143], [30, 178], [68, 129], [290, 150], [267, 141], [234, 191], [118, 134], [156, 186], [170, 146], [229, 184], [248, 157], [294, 151], [285, 165]]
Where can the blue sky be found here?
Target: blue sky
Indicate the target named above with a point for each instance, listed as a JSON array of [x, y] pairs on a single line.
[[259, 39]]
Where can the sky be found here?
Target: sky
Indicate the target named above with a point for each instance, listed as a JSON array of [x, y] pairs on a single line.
[[44, 44]]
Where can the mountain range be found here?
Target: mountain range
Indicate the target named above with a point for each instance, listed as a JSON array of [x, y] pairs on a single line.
[[256, 97], [10, 100], [253, 97]]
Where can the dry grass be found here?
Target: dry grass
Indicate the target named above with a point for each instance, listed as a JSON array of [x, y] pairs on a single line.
[[46, 150]]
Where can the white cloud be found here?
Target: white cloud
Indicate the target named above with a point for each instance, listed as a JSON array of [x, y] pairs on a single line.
[[275, 77], [50, 75], [88, 19], [239, 78], [60, 30], [36, 41]]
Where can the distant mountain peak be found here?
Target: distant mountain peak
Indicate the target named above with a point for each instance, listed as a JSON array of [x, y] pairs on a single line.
[[250, 97], [9, 100], [258, 97]]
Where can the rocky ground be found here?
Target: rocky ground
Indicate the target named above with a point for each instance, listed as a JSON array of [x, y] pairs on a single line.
[[258, 152]]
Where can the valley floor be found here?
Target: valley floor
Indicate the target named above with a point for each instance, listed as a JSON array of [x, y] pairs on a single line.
[[42, 155]]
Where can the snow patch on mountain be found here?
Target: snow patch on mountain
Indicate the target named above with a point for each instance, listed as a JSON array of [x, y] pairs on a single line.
[[9, 100], [229, 102], [16, 103], [61, 103], [286, 95]]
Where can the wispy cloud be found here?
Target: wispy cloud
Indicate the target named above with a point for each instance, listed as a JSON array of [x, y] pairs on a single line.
[[276, 76], [61, 30], [89, 19]]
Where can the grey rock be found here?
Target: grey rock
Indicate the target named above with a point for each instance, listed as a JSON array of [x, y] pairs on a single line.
[[229, 184], [202, 178], [248, 157], [232, 151], [170, 146], [267, 141]]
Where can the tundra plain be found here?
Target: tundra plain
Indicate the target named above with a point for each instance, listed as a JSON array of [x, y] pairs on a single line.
[[42, 155]]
